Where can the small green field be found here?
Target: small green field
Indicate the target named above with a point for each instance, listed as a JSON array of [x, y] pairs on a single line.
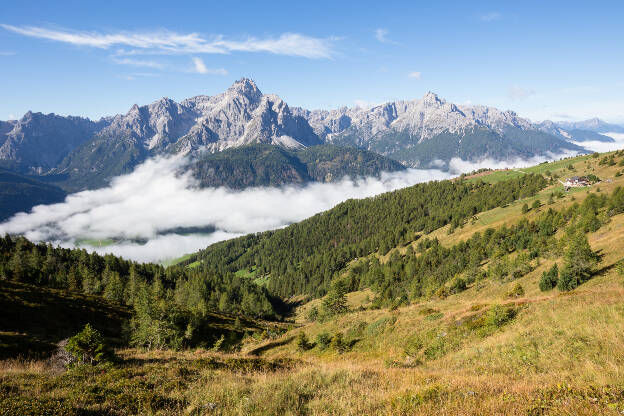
[[555, 166], [194, 264], [92, 242], [497, 176], [173, 262], [247, 273]]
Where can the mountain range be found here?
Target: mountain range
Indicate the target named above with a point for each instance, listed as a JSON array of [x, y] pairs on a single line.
[[431, 131], [76, 153]]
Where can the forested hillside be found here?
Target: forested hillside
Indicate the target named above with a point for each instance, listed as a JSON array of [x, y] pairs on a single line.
[[175, 305], [267, 165], [303, 258], [19, 193]]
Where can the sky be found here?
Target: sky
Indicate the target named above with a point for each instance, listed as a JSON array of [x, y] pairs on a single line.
[[545, 60]]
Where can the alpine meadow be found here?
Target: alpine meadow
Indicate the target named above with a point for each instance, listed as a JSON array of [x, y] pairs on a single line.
[[265, 209]]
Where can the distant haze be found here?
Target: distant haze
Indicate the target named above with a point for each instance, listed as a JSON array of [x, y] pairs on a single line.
[[597, 146]]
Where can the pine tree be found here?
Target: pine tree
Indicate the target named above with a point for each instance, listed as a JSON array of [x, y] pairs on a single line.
[[580, 260], [335, 302], [549, 279]]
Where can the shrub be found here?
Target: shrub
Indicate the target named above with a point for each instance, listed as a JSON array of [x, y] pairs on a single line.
[[322, 340], [337, 343], [549, 279], [313, 314], [516, 292], [525, 208], [87, 346], [218, 343], [302, 342], [536, 204], [457, 285], [496, 317]]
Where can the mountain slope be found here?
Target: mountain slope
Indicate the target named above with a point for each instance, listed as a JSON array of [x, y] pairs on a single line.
[[266, 165], [303, 257], [408, 131], [19, 193], [575, 131], [593, 124], [38, 142], [477, 333]]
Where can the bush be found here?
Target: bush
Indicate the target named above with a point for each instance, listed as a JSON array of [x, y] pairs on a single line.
[[313, 314], [457, 285], [322, 340], [516, 292], [338, 343], [536, 204], [549, 279], [302, 342], [87, 346], [218, 343], [525, 208], [496, 317]]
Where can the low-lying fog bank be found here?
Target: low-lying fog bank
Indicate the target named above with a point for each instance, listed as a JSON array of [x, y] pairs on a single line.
[[143, 215]]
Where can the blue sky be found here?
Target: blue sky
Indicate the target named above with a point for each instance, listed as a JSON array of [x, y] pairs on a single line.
[[546, 59]]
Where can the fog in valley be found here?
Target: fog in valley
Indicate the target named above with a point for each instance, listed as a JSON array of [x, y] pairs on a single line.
[[155, 213]]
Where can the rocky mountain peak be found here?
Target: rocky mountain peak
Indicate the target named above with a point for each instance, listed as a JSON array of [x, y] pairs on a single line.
[[246, 87], [431, 99]]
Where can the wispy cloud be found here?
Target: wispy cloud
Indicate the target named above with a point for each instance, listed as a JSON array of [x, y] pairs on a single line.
[[6, 53], [382, 36], [135, 75], [200, 68], [165, 41], [137, 62], [519, 93], [490, 17], [414, 75]]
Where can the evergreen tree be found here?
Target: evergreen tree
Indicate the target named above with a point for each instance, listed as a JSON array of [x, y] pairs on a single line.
[[579, 261], [335, 302], [549, 279]]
